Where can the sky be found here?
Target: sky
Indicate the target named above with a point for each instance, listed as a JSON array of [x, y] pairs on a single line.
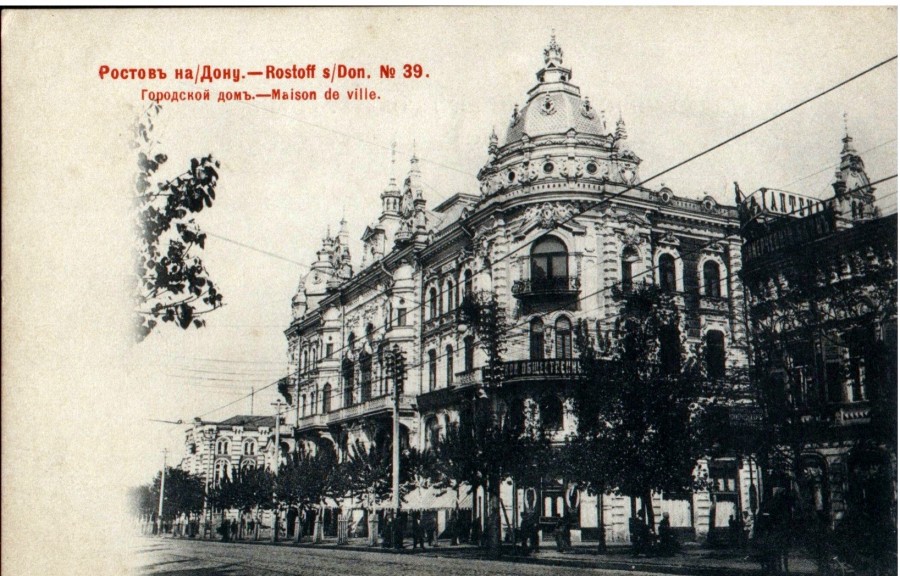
[[683, 79]]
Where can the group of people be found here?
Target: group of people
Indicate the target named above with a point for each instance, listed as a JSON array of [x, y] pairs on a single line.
[[230, 530], [644, 541], [423, 528]]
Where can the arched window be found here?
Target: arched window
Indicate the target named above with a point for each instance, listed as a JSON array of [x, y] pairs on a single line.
[[629, 257], [351, 340], [551, 412], [469, 352], [347, 370], [670, 350], [449, 291], [667, 273], [536, 339], [516, 414], [711, 279], [467, 282], [715, 354], [222, 446], [305, 360], [432, 303], [365, 376], [549, 263], [303, 405], [249, 448], [247, 465], [449, 354], [221, 471], [432, 369], [432, 432], [313, 402], [326, 399], [563, 337]]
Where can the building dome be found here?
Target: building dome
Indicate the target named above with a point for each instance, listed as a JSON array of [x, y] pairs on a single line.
[[555, 111], [560, 136], [555, 104]]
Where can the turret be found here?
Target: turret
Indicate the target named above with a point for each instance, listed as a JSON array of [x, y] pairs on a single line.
[[854, 196]]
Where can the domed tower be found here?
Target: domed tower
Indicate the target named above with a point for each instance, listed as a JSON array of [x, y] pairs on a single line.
[[560, 136], [854, 196]]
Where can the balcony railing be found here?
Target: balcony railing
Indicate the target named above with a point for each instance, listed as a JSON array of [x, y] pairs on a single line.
[[854, 414], [560, 285], [713, 304], [373, 406], [542, 368], [467, 378], [312, 421]]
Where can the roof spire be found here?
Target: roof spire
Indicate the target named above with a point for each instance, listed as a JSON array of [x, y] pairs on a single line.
[[621, 132], [553, 54], [847, 140]]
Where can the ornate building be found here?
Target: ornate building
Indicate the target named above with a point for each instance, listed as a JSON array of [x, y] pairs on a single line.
[[214, 449], [821, 283], [558, 220]]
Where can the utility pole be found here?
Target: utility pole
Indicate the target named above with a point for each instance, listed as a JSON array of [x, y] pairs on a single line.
[[278, 404], [162, 492], [399, 365], [252, 394]]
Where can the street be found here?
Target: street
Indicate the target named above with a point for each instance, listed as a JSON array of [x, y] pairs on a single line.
[[204, 558]]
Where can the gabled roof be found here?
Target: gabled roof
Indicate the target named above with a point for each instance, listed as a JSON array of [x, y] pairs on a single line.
[[248, 422]]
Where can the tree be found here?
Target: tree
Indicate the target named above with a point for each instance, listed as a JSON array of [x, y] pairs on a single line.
[[487, 445], [251, 490], [171, 280], [185, 494], [307, 479], [141, 501], [637, 411]]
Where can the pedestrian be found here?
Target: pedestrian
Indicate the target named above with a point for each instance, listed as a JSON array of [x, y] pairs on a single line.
[[418, 531], [429, 524], [667, 542], [234, 530], [224, 530], [635, 532], [559, 537]]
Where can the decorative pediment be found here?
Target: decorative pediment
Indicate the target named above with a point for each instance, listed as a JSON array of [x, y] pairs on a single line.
[[716, 248], [371, 231], [550, 215], [627, 218], [669, 239]]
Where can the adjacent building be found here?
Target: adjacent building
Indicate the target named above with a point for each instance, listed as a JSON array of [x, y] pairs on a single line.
[[216, 449], [821, 282]]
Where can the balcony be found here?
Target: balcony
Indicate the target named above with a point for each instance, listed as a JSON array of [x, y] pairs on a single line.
[[544, 294], [312, 422], [541, 369], [468, 378], [555, 286], [438, 323], [375, 406], [851, 414], [713, 305]]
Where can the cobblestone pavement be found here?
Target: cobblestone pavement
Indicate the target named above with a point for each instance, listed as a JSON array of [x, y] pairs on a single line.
[[174, 557], [184, 557]]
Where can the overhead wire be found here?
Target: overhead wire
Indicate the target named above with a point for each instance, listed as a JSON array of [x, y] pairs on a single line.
[[628, 188]]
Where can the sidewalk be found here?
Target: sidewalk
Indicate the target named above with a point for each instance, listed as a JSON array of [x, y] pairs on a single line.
[[693, 559]]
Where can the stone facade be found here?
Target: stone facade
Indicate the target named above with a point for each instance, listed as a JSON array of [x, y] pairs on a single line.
[[558, 224], [213, 449], [821, 281]]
